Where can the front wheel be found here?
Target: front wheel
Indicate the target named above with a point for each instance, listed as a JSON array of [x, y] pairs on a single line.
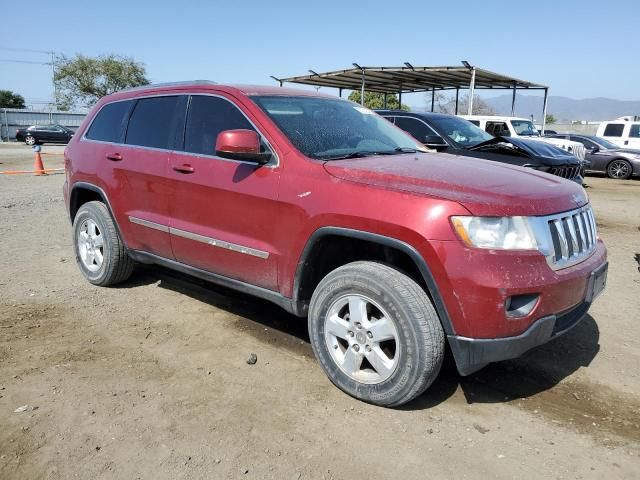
[[375, 333], [29, 140], [620, 169]]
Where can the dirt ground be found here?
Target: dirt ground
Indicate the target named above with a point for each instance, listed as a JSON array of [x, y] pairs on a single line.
[[149, 380]]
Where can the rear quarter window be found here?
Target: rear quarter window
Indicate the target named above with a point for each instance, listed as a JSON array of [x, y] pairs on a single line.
[[613, 130], [109, 123]]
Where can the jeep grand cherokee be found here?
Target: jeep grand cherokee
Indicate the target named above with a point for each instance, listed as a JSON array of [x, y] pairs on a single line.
[[327, 209]]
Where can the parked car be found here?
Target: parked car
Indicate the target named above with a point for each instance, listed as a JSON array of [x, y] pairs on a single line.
[[452, 134], [521, 127], [605, 156], [326, 209], [39, 134], [624, 131]]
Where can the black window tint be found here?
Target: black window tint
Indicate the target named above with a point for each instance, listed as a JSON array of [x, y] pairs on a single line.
[[613, 130], [587, 143], [109, 122], [635, 131], [207, 117], [153, 122], [475, 122], [415, 127]]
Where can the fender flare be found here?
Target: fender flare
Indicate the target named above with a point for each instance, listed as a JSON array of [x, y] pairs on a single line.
[[404, 247], [94, 188]]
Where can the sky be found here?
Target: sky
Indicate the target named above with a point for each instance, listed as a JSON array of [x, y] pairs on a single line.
[[581, 49]]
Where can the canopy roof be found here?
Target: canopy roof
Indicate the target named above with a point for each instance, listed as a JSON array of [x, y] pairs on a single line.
[[411, 79]]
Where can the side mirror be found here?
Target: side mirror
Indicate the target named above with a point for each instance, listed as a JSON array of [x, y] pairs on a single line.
[[434, 141], [595, 150], [241, 145]]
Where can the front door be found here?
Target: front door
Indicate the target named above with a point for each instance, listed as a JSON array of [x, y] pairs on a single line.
[[224, 213]]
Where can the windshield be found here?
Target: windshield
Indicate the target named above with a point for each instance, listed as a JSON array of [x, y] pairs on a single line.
[[461, 131], [330, 129], [603, 143], [525, 128]]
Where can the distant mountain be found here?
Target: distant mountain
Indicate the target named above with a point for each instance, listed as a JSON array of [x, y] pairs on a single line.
[[566, 109]]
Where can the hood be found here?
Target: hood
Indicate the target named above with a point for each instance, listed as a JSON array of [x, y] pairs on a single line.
[[545, 153], [483, 187]]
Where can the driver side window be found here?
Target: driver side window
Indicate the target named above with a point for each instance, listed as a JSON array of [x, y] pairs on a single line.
[[415, 128]]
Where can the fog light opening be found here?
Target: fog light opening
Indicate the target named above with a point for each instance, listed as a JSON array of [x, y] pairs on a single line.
[[519, 306]]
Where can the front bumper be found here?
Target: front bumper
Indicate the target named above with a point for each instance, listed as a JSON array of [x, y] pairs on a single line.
[[471, 354]]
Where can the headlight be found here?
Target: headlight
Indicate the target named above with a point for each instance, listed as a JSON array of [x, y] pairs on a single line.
[[507, 233]]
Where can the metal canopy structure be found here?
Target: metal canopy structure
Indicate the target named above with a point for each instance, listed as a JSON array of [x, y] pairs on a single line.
[[410, 79]]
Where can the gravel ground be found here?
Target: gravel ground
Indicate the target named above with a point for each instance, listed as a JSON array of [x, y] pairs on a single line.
[[151, 380]]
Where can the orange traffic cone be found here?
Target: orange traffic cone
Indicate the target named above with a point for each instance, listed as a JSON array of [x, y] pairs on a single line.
[[38, 167]]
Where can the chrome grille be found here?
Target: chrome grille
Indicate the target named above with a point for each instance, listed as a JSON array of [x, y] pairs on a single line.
[[566, 172], [567, 238]]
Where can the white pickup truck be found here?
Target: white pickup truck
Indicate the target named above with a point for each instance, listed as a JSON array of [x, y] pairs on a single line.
[[521, 127]]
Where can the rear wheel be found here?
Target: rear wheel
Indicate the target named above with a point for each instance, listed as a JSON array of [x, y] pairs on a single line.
[[620, 169], [99, 250], [375, 333]]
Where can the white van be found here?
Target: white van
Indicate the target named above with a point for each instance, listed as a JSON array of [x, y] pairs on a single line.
[[522, 127], [623, 131]]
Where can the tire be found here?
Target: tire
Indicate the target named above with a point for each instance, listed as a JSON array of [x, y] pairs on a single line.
[[619, 169], [29, 140], [411, 339], [99, 250]]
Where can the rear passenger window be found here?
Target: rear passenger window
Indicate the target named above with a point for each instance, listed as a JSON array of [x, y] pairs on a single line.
[[635, 131], [613, 130], [153, 122], [207, 117], [109, 122]]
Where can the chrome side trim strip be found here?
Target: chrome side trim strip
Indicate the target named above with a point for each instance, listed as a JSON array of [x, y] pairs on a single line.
[[220, 243], [214, 242], [147, 223]]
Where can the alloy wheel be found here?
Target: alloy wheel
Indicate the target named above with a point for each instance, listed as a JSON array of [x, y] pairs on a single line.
[[91, 245], [362, 339]]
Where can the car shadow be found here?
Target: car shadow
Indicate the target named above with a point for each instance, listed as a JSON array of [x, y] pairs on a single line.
[[536, 371]]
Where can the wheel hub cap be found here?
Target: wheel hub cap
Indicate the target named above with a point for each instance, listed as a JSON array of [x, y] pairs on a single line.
[[362, 339], [90, 245]]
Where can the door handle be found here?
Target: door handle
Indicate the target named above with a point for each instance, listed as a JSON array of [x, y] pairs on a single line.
[[184, 168], [114, 157]]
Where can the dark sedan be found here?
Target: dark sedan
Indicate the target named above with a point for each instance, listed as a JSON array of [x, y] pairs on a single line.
[[451, 134], [39, 134], [607, 157]]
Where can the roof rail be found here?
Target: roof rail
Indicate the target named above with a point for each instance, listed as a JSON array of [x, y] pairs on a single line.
[[186, 83], [629, 118]]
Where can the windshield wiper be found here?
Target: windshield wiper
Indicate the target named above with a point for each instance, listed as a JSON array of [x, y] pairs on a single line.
[[406, 150], [360, 154]]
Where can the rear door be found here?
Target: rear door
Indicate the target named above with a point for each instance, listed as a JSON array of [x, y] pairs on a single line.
[[136, 170], [634, 136], [223, 212], [614, 132]]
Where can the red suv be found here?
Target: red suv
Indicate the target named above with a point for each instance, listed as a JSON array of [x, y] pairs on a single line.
[[327, 209]]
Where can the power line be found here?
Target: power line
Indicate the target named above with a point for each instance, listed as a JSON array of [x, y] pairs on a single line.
[[11, 49], [11, 60]]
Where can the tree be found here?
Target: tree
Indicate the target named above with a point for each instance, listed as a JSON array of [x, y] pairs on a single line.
[[9, 99], [81, 81], [376, 100], [447, 104], [550, 119]]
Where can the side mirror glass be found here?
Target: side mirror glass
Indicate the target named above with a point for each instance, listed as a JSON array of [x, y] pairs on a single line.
[[241, 145], [434, 141]]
